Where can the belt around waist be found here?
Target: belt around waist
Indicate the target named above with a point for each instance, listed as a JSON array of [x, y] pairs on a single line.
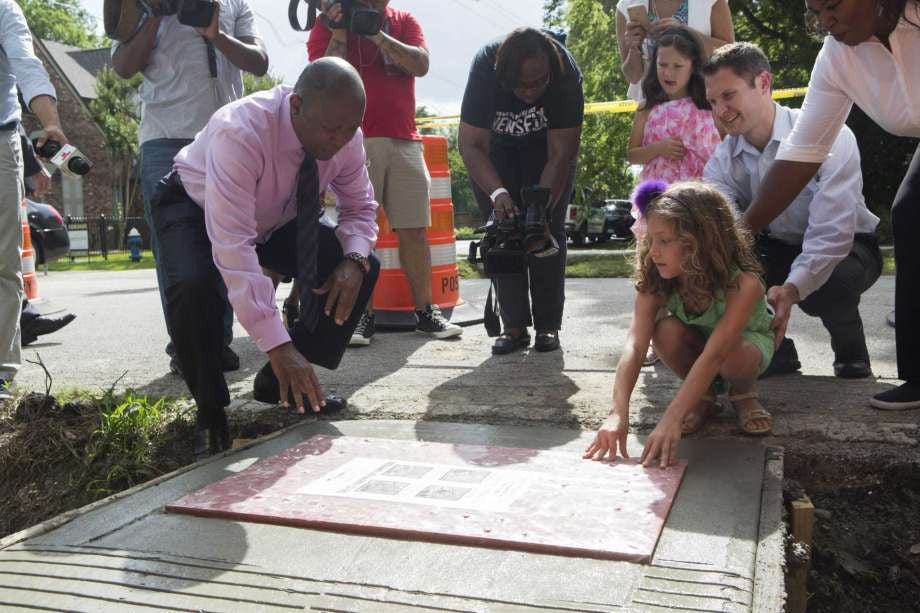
[[10, 125]]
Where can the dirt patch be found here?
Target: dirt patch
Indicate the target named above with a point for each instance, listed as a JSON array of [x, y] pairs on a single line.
[[867, 522], [53, 457]]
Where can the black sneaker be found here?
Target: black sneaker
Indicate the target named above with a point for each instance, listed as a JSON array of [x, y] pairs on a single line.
[[906, 396], [430, 321], [364, 331]]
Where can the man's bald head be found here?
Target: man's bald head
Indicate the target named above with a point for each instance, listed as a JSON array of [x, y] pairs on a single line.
[[327, 106], [330, 79]]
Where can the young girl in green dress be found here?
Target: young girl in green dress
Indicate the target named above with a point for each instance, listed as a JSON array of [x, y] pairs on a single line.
[[696, 261]]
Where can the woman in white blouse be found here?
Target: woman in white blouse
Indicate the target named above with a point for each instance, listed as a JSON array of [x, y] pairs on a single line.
[[872, 59]]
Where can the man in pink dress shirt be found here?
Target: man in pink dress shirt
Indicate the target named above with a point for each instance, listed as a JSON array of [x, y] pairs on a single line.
[[242, 199]]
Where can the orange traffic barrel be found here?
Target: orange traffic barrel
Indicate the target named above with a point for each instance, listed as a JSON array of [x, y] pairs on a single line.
[[29, 278], [393, 304]]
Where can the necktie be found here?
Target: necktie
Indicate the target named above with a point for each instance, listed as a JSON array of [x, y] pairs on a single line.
[[309, 209]]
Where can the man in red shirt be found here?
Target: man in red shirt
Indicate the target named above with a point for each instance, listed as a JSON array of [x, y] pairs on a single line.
[[388, 63]]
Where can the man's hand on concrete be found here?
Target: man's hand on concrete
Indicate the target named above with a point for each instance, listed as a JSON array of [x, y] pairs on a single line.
[[611, 435], [341, 289], [213, 30], [782, 298], [295, 374]]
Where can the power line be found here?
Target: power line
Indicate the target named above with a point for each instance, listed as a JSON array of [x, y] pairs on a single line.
[[486, 19]]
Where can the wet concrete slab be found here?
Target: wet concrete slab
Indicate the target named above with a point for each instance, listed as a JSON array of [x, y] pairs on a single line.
[[718, 549], [503, 497]]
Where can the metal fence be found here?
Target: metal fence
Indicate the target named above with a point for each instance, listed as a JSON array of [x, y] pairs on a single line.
[[104, 235]]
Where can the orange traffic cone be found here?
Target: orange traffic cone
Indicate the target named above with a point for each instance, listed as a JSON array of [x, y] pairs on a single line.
[[29, 278]]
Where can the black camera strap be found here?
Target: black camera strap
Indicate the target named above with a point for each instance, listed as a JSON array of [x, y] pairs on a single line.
[[212, 57], [311, 14]]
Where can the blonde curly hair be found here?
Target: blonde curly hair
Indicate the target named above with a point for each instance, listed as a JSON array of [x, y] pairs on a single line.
[[715, 244]]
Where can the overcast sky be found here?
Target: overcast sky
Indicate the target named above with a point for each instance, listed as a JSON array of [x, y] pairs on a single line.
[[454, 30]]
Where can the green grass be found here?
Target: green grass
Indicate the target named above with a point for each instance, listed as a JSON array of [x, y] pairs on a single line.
[[577, 268], [465, 233], [115, 261], [888, 265], [598, 267]]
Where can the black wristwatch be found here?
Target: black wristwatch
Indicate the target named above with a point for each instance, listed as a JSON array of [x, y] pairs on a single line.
[[354, 256]]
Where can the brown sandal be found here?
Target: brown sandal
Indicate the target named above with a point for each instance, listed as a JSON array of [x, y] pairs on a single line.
[[747, 418], [694, 420]]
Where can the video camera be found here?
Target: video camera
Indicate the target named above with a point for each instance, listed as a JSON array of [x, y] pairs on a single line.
[[507, 242], [195, 13], [356, 17]]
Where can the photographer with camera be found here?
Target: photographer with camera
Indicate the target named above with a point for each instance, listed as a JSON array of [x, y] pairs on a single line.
[[387, 48], [520, 129], [19, 69], [189, 72]]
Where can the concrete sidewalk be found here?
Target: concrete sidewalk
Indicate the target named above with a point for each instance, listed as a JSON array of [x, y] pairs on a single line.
[[721, 546], [119, 329], [126, 554]]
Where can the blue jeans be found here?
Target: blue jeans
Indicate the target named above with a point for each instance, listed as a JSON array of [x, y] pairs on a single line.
[[156, 161]]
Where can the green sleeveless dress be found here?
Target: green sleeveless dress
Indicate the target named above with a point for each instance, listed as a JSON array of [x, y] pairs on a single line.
[[757, 331]]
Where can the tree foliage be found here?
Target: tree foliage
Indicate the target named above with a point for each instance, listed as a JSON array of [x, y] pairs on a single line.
[[591, 37], [63, 21], [252, 83], [115, 109]]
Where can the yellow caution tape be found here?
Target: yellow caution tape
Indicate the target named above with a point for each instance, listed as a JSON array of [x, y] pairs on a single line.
[[616, 106]]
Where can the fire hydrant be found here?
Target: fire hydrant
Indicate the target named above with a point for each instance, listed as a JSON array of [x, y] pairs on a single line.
[[134, 244]]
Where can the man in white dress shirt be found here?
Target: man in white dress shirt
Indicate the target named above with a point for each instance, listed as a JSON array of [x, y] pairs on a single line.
[[820, 253]]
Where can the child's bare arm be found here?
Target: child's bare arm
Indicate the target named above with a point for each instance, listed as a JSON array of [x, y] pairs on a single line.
[[612, 433], [634, 350], [637, 153]]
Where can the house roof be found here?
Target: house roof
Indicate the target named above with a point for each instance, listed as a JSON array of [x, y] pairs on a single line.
[[79, 66]]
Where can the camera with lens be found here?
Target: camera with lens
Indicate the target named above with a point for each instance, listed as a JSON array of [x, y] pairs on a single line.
[[356, 17], [195, 13], [66, 157], [507, 242]]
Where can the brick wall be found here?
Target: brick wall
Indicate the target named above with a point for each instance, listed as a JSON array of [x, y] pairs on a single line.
[[84, 134]]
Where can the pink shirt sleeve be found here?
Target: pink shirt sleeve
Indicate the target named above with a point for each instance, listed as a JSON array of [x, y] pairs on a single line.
[[230, 218], [355, 204]]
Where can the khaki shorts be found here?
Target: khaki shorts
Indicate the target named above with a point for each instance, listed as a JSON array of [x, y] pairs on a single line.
[[400, 178]]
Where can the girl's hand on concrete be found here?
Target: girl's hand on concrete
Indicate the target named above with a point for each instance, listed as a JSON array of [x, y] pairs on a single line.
[[662, 444], [612, 435]]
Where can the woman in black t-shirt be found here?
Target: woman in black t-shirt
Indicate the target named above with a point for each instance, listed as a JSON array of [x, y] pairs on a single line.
[[520, 126]]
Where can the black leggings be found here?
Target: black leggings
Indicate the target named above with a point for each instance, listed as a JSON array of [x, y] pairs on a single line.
[[905, 223]]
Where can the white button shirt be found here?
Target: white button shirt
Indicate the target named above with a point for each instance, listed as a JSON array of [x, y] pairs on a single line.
[[884, 84], [825, 215]]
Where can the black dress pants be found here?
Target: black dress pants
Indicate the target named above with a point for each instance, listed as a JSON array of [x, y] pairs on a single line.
[[195, 296], [836, 302], [905, 223], [545, 278]]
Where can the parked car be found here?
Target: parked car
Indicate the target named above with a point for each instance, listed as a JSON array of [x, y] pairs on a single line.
[[585, 218], [49, 235], [618, 219]]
